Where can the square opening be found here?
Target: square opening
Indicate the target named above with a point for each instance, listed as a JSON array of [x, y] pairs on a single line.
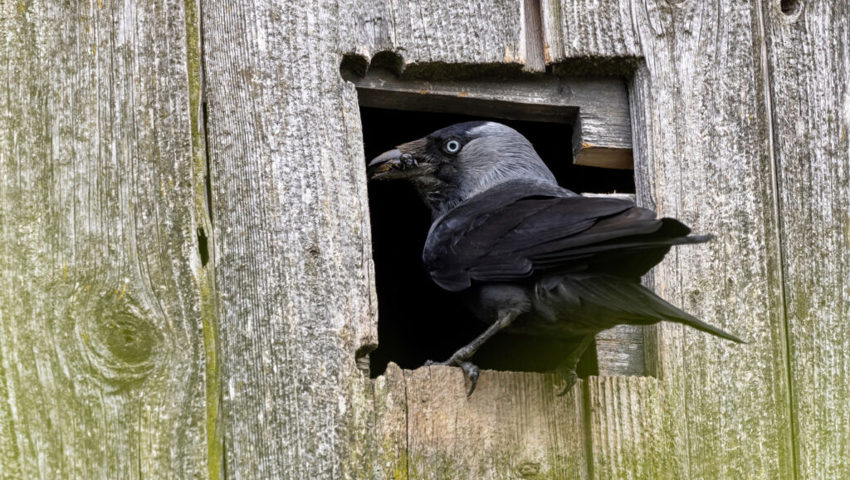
[[417, 320]]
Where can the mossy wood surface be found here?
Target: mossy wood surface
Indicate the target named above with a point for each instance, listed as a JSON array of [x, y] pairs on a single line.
[[105, 304], [808, 58], [185, 261]]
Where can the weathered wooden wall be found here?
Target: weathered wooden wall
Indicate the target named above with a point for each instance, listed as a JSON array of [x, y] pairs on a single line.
[[808, 86], [185, 265], [104, 302]]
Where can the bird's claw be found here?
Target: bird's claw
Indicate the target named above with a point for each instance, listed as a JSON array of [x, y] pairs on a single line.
[[470, 371], [570, 378]]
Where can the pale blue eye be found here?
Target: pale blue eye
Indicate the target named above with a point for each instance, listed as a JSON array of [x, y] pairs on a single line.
[[452, 146]]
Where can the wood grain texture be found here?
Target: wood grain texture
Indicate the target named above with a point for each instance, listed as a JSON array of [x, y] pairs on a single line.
[[698, 108], [809, 66], [632, 431], [602, 136], [378, 431], [620, 350], [701, 156], [446, 32], [420, 424], [592, 32], [598, 108], [102, 365], [513, 426], [293, 265]]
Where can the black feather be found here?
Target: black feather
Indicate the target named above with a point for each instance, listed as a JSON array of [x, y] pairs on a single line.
[[513, 231]]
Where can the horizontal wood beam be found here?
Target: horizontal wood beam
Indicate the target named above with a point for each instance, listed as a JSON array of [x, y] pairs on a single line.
[[597, 108]]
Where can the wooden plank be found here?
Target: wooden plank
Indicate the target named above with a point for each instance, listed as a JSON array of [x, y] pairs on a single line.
[[293, 261], [808, 66], [586, 36], [602, 136], [427, 37], [597, 107], [378, 432], [532, 51], [699, 111], [420, 424], [103, 294], [632, 433], [701, 157], [513, 426], [620, 350]]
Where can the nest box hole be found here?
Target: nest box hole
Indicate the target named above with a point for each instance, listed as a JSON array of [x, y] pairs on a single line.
[[417, 320]]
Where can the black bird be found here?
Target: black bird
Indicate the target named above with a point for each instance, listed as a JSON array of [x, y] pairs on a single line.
[[526, 254]]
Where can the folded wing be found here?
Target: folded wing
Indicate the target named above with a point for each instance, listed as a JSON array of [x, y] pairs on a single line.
[[521, 229]]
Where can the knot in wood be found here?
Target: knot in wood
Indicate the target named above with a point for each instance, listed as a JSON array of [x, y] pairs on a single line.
[[122, 340], [528, 469], [127, 338], [108, 334]]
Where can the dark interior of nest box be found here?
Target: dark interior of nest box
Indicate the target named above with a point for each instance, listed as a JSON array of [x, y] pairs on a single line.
[[417, 320]]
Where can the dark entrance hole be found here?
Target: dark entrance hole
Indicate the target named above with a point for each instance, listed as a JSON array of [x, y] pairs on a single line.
[[417, 320]]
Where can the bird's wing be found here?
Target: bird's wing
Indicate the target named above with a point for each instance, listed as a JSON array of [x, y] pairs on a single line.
[[513, 231]]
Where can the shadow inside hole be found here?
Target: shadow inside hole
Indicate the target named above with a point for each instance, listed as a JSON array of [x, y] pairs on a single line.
[[419, 321], [790, 7], [203, 247]]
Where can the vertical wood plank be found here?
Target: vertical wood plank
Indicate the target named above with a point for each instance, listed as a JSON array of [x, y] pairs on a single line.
[[632, 432], [701, 156], [701, 116], [293, 260], [101, 284], [378, 432], [809, 66], [435, 35], [620, 351], [588, 35], [513, 426]]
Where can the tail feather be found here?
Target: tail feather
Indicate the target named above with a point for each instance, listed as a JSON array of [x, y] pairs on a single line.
[[672, 314], [631, 300], [694, 322]]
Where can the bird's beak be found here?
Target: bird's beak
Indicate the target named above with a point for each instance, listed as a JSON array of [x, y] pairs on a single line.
[[396, 163], [384, 163]]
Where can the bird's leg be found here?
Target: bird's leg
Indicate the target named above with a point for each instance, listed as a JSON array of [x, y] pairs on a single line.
[[461, 357], [567, 368]]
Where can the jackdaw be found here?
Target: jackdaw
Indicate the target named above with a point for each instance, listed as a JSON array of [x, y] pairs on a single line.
[[527, 255]]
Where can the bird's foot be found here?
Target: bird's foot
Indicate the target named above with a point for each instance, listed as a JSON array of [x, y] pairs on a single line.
[[567, 368], [570, 378], [470, 370]]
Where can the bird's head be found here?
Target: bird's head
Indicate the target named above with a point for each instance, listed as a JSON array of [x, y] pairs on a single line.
[[454, 163]]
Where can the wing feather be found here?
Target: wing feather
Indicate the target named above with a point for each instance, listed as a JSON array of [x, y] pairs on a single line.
[[519, 229]]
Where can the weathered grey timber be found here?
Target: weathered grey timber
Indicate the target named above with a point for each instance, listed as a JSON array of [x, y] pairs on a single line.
[[808, 85], [517, 427], [596, 108], [293, 275], [706, 158], [104, 301], [699, 138], [129, 309]]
